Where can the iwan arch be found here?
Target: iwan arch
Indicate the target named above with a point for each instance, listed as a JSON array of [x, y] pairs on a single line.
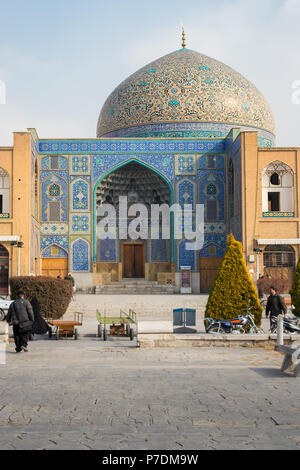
[[184, 129]]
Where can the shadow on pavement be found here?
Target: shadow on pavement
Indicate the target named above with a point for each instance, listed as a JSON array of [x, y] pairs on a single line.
[[270, 373]]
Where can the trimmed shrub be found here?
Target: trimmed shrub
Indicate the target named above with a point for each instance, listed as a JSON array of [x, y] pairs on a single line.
[[53, 295], [295, 290], [233, 287], [282, 285]]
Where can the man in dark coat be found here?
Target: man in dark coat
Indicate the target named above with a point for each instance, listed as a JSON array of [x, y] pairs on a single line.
[[21, 317], [275, 305]]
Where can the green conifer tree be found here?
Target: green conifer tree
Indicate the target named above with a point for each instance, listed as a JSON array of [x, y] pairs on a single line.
[[233, 287]]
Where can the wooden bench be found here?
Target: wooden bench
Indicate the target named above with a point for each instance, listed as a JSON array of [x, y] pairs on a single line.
[[291, 359]]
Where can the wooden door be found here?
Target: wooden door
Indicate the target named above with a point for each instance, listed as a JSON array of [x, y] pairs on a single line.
[[128, 260], [54, 267], [209, 268], [139, 263], [133, 260], [4, 269]]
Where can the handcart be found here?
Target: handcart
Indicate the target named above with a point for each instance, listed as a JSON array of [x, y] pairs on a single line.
[[118, 326], [66, 329]]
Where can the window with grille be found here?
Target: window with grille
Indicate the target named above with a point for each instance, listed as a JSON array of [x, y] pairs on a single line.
[[54, 163], [279, 257], [211, 162], [54, 211], [4, 191], [211, 210]]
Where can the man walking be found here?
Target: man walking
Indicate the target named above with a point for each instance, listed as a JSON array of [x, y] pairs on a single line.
[[21, 317], [275, 305]]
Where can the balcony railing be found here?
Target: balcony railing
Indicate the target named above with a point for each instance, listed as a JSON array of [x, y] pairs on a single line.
[[4, 216], [278, 214]]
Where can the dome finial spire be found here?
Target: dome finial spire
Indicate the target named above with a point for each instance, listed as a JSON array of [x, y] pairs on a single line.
[[183, 37]]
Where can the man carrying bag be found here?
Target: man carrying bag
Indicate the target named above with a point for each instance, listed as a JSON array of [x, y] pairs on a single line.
[[21, 317]]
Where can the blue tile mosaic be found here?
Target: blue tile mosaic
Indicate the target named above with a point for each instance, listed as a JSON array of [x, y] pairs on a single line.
[[80, 192], [80, 164], [47, 253], [164, 164], [62, 163], [204, 161], [80, 223], [186, 191], [205, 252], [103, 146], [159, 251], [185, 164], [186, 257], [108, 250], [216, 179], [48, 196], [80, 255], [60, 240]]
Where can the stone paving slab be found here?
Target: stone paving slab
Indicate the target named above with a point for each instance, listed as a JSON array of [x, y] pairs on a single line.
[[90, 395]]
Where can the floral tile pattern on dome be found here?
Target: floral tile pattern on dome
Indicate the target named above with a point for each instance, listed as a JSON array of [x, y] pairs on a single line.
[[185, 86]]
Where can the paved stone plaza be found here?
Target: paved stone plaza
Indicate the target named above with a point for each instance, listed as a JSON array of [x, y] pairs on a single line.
[[88, 394], [147, 307]]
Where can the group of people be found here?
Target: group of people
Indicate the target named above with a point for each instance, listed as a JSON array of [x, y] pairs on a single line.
[[70, 278]]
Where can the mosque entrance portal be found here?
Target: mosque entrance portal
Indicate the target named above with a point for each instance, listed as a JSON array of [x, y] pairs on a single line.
[[125, 256]]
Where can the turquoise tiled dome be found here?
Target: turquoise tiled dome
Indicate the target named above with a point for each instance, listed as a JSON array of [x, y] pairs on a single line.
[[185, 87]]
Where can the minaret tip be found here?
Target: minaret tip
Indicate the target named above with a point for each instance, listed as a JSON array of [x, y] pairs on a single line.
[[183, 38]]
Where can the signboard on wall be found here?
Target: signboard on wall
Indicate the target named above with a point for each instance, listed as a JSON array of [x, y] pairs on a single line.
[[186, 280]]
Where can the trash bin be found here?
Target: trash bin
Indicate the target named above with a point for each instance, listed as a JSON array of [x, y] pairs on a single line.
[[190, 317], [184, 317], [178, 317]]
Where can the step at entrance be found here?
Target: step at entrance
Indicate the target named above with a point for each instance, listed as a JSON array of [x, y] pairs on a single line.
[[135, 287]]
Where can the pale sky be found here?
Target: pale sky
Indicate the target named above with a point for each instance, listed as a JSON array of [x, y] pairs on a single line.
[[60, 59]]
